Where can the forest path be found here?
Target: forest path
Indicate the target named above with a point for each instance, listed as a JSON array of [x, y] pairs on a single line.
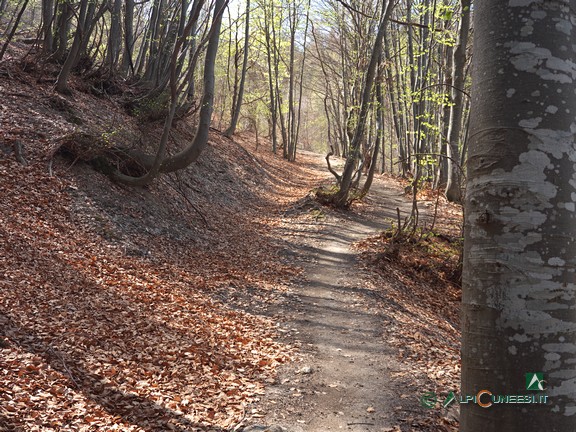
[[346, 380]]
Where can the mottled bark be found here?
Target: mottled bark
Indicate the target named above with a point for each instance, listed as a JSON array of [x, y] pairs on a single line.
[[519, 279]]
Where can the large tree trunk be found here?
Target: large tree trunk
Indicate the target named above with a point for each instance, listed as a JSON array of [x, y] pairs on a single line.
[[520, 243], [453, 187]]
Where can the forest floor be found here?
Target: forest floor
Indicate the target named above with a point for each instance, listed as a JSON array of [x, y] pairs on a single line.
[[220, 298]]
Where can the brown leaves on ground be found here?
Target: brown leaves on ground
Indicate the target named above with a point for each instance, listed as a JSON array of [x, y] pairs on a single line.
[[134, 309], [92, 336]]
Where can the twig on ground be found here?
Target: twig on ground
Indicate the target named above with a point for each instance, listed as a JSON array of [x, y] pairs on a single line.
[[19, 153]]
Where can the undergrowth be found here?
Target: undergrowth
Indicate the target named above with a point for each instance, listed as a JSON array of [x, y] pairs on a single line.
[[424, 253]]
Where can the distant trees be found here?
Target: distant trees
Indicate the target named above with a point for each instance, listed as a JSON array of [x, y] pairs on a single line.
[[419, 125], [296, 71], [341, 198]]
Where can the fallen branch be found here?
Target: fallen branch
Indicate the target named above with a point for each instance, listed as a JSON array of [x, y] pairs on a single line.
[[56, 354], [19, 153]]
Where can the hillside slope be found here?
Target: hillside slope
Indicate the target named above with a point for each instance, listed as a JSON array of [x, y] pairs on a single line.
[[123, 308]]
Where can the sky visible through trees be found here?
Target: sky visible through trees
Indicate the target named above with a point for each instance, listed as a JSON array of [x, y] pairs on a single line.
[[305, 70], [379, 86]]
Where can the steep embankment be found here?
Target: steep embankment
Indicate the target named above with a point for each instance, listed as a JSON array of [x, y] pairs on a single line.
[[131, 309]]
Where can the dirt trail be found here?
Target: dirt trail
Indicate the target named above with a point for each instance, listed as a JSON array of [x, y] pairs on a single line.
[[347, 378]]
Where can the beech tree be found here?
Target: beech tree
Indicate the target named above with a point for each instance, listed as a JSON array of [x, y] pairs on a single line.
[[520, 242]]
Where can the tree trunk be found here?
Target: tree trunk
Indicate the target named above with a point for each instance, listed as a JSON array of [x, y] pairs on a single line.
[[127, 62], [341, 197], [193, 151], [379, 138], [62, 82], [47, 20], [301, 84], [395, 109], [291, 115], [236, 114], [443, 163], [153, 40], [270, 57], [63, 23], [453, 187], [13, 31], [520, 251], [115, 37]]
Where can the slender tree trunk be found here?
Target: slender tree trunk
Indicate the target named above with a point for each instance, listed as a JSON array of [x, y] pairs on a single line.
[[47, 21], [443, 165], [341, 198], [237, 107], [62, 82], [396, 119], [13, 31], [90, 23], [153, 40], [301, 83], [453, 187], [115, 37], [270, 57], [520, 252], [379, 137], [127, 61], [63, 28], [291, 116]]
